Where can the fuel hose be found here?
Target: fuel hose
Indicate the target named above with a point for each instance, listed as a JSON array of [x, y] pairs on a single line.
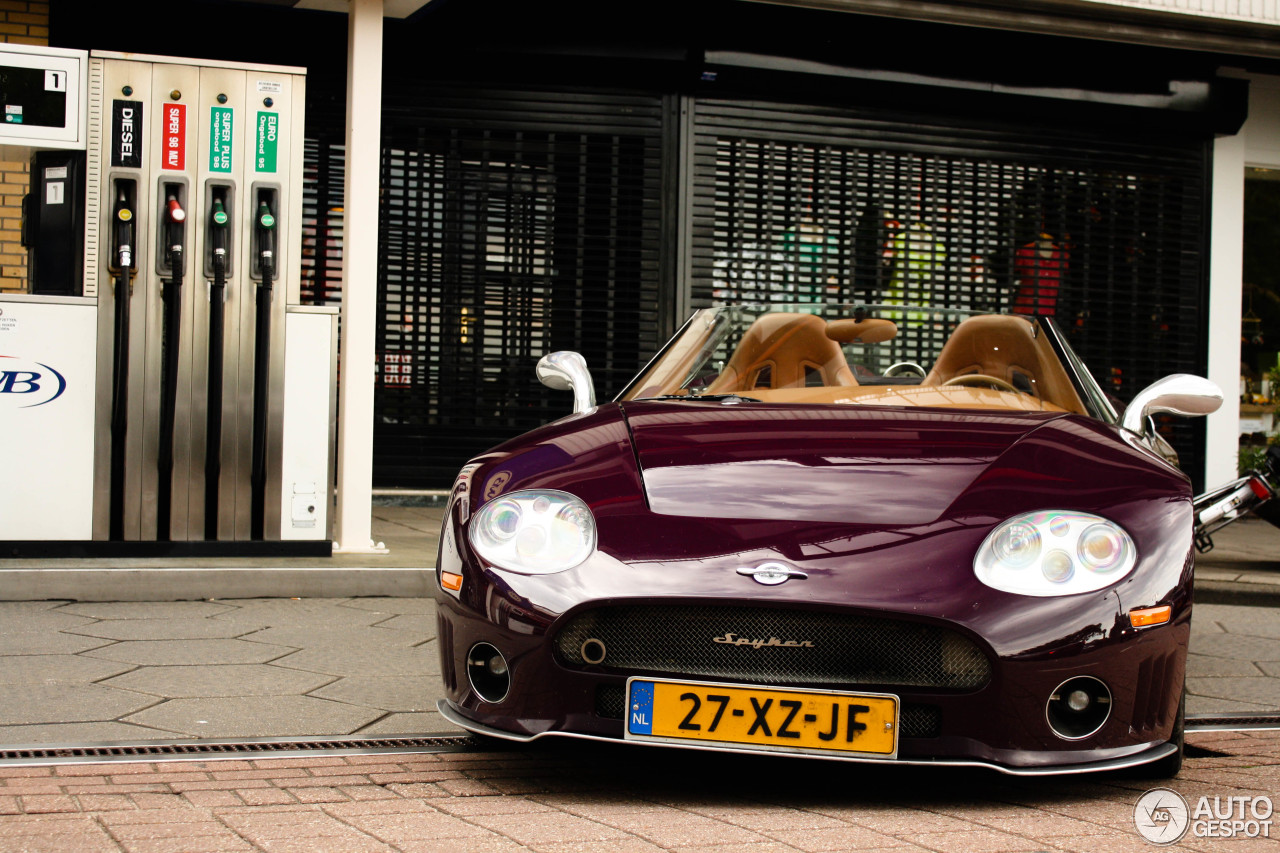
[[122, 218], [175, 227], [265, 224], [213, 424]]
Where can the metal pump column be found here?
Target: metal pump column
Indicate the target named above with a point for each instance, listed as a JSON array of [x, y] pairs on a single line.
[[203, 162]]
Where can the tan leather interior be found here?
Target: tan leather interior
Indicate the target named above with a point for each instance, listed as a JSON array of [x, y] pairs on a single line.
[[1007, 348], [909, 396], [784, 350], [869, 330]]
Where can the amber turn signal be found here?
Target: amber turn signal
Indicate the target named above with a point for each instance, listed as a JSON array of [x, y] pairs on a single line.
[[1145, 617], [449, 580]]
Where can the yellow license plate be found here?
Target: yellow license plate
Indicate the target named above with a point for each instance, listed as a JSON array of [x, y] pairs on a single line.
[[769, 718]]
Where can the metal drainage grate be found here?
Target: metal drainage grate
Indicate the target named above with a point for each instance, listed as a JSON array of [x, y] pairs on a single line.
[[215, 750], [1232, 722]]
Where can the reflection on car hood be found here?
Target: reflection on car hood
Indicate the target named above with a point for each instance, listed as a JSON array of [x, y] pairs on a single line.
[[817, 463]]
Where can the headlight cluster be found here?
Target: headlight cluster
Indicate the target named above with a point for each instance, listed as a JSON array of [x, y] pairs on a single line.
[[1054, 552], [537, 531]]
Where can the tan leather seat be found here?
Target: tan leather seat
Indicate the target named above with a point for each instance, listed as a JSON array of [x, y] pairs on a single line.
[[784, 350], [991, 345], [1007, 348]]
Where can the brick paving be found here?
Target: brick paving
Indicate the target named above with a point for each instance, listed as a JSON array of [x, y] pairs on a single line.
[[569, 796]]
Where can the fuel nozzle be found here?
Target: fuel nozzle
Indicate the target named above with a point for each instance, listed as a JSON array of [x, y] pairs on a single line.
[[176, 222], [265, 222], [218, 219], [123, 219]]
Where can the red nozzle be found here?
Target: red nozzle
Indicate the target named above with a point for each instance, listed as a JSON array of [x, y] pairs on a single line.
[[176, 213]]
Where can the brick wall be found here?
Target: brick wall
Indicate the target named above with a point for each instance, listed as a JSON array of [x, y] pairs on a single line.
[[21, 22]]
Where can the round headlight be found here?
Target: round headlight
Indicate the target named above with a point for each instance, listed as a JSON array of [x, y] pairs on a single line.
[[1066, 553], [1057, 566], [1103, 547], [537, 531], [1017, 545]]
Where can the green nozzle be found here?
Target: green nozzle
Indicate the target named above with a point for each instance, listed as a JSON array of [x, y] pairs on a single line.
[[219, 212], [265, 219]]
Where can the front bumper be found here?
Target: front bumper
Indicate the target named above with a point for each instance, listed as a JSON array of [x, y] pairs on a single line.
[[1122, 759]]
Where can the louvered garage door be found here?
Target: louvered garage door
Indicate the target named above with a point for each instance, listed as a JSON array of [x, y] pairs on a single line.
[[512, 225], [809, 204], [324, 165]]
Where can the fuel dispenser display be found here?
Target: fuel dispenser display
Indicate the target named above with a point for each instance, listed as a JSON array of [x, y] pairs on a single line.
[[211, 425], [48, 361]]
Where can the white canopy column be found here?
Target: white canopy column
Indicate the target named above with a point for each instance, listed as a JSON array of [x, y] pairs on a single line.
[[359, 280]]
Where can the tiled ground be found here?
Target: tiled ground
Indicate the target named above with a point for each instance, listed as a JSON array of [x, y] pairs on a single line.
[[130, 671], [587, 797]]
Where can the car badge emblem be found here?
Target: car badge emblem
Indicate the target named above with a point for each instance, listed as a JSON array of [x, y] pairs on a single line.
[[772, 574], [732, 639]]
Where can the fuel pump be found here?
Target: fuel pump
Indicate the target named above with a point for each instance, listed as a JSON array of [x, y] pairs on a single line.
[[219, 229], [204, 426], [265, 239], [174, 225], [123, 271]]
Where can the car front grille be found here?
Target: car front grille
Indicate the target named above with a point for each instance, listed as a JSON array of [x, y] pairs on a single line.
[[915, 720], [771, 646]]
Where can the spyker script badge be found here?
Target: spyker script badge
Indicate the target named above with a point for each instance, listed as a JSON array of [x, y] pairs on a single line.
[[772, 574], [732, 639]]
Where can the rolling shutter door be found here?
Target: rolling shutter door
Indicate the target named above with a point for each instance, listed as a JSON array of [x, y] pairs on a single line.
[[512, 225], [808, 203]]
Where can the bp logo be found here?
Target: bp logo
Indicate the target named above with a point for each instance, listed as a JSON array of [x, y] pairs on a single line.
[[27, 384]]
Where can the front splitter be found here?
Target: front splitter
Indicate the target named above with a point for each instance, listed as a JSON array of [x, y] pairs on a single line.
[[1145, 756]]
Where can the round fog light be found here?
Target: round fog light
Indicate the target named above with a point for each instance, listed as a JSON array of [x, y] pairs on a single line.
[[593, 651], [488, 673], [1078, 707]]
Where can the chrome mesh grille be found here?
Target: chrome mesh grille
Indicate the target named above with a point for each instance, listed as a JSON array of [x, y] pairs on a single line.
[[845, 649]]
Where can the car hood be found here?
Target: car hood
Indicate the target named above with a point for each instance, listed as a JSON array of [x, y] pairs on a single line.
[[835, 464]]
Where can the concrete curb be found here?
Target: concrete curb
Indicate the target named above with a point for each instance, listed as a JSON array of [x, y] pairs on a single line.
[[1235, 592], [186, 584]]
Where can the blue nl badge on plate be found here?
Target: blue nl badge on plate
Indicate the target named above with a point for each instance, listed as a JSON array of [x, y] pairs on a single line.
[[640, 708]]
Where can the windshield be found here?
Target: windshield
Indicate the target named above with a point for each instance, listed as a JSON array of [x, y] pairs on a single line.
[[862, 355]]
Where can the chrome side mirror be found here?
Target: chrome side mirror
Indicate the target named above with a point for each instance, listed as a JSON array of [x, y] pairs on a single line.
[[1179, 394], [567, 371]]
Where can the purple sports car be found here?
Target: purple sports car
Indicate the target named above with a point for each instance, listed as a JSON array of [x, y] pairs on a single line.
[[878, 533]]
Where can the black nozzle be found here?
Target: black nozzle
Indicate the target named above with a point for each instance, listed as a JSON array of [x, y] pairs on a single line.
[[122, 216]]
